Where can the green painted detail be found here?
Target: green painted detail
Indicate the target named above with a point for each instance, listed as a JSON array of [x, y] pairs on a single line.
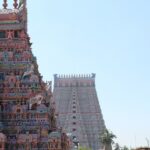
[[55, 134], [12, 65], [21, 2], [9, 22]]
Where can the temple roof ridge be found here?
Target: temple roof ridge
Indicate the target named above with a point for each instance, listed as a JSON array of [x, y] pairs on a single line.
[[13, 18]]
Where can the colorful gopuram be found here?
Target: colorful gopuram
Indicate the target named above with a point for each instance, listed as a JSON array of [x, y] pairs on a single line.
[[27, 112]]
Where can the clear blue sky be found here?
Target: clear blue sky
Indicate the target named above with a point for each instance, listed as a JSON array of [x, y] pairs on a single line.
[[108, 37]]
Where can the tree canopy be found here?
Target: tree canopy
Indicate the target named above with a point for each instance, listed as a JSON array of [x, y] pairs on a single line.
[[107, 137]]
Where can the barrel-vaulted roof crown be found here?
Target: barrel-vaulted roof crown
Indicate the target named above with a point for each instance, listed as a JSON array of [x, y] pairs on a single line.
[[14, 16]]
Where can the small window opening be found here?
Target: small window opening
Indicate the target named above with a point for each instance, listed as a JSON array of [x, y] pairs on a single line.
[[16, 34], [73, 129], [18, 110], [74, 117], [2, 34]]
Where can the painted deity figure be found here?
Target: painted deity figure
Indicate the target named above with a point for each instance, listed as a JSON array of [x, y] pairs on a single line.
[[22, 35], [26, 55], [10, 34], [10, 55]]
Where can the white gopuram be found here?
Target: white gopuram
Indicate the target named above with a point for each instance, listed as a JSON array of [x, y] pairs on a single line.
[[78, 108]]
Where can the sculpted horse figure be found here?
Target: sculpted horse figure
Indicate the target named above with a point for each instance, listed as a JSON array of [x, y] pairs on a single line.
[[29, 71], [36, 100]]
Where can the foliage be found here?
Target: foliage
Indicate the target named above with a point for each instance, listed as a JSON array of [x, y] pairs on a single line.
[[84, 148], [117, 147], [107, 137], [107, 140], [124, 148]]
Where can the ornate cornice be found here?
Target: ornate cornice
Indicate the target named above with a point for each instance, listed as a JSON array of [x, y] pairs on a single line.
[[14, 26]]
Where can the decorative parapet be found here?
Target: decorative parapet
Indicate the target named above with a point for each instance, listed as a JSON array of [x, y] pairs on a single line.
[[74, 80], [5, 26], [73, 76]]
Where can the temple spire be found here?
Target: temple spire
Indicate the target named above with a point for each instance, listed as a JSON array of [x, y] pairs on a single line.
[[5, 4]]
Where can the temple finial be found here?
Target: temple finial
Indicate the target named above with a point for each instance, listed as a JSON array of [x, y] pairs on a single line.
[[5, 4], [15, 4]]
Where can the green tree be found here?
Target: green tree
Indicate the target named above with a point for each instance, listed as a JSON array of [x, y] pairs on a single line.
[[124, 148], [107, 139], [117, 147]]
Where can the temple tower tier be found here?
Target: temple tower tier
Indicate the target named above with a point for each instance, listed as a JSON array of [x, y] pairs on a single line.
[[78, 109]]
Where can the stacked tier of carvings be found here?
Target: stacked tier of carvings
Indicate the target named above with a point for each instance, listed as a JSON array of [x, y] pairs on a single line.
[[9, 17], [33, 140], [17, 83], [11, 34], [26, 108], [30, 141], [18, 44], [58, 141], [36, 102], [7, 55]]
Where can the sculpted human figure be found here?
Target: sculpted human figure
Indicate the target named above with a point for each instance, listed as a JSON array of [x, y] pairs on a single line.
[[10, 55], [18, 84], [26, 55], [10, 34], [11, 78], [22, 34]]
